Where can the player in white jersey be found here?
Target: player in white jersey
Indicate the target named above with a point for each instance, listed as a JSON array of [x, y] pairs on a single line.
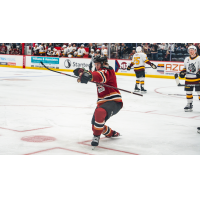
[[138, 61], [69, 49], [91, 66], [103, 51], [81, 51], [191, 72]]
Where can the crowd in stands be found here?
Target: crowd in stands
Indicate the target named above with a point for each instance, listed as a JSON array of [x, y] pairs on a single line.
[[154, 51]]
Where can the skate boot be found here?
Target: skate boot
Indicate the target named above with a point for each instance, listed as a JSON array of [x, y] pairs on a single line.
[[95, 141], [198, 129], [136, 88], [188, 107], [143, 90]]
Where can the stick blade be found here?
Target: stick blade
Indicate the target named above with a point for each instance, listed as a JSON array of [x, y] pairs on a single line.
[[177, 79]]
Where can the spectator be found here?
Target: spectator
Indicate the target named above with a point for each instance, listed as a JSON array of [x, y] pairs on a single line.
[[55, 52], [198, 48], [74, 46], [97, 52], [11, 50], [91, 54], [42, 50], [17, 51], [154, 51], [113, 51], [146, 49], [90, 48], [69, 49], [75, 53], [131, 55], [62, 50], [51, 46], [103, 51], [81, 51], [3, 49], [36, 50], [49, 52]]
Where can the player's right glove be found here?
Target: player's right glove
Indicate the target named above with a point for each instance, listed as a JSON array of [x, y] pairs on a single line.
[[129, 67], [198, 74], [153, 66], [182, 74], [77, 71]]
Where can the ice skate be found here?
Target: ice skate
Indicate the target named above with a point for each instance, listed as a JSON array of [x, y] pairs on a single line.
[[143, 90], [188, 107], [198, 129], [136, 88], [95, 141]]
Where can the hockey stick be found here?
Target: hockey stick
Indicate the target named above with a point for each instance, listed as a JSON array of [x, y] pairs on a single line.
[[182, 95], [93, 81], [179, 84]]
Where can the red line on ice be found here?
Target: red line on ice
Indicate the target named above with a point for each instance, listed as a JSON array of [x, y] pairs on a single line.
[[25, 130], [57, 148], [84, 143]]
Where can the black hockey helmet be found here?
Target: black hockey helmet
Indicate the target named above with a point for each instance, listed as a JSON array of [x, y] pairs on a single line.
[[100, 59]]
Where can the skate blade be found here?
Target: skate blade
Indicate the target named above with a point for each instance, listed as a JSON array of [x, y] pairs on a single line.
[[198, 131], [93, 148], [136, 90], [143, 92], [188, 110]]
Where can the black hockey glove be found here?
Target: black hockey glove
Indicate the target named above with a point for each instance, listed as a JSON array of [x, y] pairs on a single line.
[[153, 66], [198, 74], [77, 71], [129, 67], [182, 74], [85, 77]]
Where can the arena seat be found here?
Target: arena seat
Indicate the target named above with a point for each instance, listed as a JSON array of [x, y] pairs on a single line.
[[174, 59], [179, 55], [173, 55], [160, 55], [180, 59], [160, 58]]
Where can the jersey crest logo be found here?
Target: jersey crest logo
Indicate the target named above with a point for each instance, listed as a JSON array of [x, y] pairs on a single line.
[[100, 89], [192, 67]]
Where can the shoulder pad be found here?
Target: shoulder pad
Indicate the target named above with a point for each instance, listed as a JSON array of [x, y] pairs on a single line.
[[107, 67]]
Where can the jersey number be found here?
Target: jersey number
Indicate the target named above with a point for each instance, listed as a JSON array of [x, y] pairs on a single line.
[[137, 60]]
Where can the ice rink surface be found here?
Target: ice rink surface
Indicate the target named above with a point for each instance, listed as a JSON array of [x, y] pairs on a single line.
[[45, 113]]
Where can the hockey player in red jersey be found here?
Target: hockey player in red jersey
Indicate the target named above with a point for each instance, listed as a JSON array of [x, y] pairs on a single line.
[[109, 100]]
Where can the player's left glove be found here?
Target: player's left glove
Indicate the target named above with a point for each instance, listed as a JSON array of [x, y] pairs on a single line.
[[85, 77], [198, 74], [77, 71], [153, 66], [129, 67]]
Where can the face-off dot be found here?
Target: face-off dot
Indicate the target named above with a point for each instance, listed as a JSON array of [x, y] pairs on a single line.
[[38, 138]]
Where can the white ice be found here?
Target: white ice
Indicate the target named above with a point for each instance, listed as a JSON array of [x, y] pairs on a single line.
[[43, 103]]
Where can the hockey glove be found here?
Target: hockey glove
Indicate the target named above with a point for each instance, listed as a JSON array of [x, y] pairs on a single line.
[[182, 74], [153, 66], [85, 77], [198, 74], [129, 67], [77, 71]]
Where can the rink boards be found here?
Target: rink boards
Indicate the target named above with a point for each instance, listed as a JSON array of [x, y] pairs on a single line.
[[164, 69]]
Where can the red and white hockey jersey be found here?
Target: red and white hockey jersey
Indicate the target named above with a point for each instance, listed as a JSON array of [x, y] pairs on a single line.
[[106, 75]]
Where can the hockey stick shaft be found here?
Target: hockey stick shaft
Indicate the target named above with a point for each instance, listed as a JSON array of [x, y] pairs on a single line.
[[182, 95], [93, 81], [179, 84]]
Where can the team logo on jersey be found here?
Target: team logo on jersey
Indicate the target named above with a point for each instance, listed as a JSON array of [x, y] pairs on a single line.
[[100, 88], [67, 63], [192, 67], [123, 65]]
